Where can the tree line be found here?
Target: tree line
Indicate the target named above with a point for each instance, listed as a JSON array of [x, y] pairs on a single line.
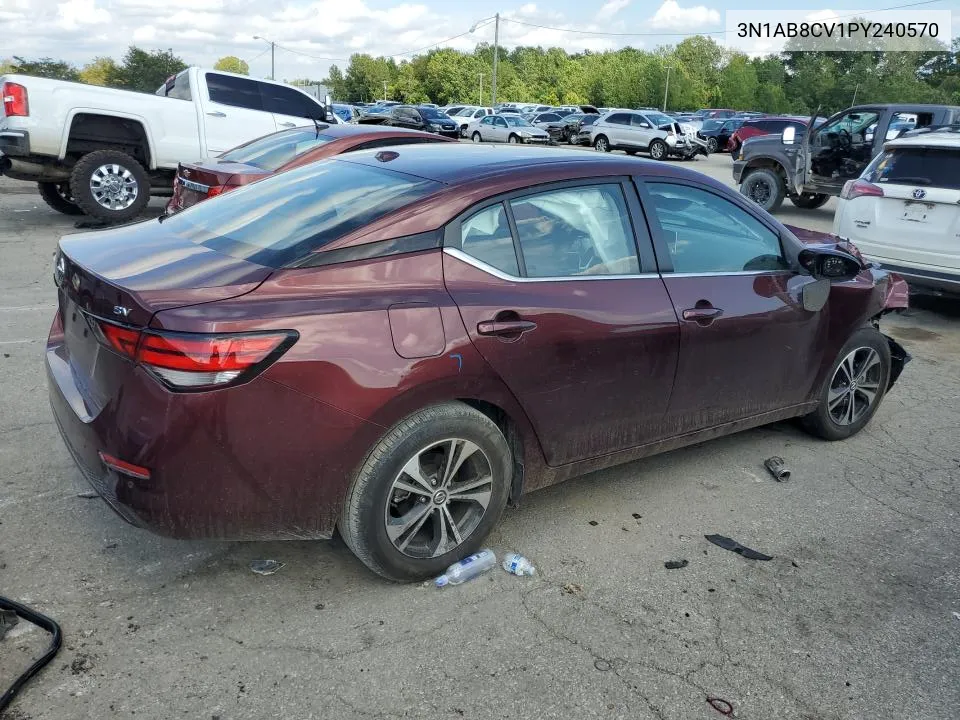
[[701, 72]]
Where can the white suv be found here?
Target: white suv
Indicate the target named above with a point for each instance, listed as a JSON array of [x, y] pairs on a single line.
[[651, 131], [904, 210]]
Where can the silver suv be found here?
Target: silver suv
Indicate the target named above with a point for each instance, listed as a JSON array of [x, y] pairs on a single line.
[[634, 130]]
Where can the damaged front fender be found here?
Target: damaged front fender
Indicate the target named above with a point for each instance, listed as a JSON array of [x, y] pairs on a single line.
[[897, 295]]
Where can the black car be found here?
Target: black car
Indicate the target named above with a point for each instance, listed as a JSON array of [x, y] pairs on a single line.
[[552, 122], [717, 132], [574, 127], [428, 119]]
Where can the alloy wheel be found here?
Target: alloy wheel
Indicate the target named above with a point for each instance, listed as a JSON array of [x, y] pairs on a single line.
[[114, 187], [439, 498], [476, 137], [712, 145], [855, 386], [759, 191], [601, 145], [657, 151]]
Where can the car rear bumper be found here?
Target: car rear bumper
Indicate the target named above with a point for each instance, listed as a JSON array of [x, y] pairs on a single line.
[[924, 280], [15, 143], [213, 473]]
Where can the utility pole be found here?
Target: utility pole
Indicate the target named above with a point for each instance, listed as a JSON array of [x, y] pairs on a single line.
[[666, 90], [496, 57], [855, 91], [481, 89], [384, 90], [273, 48]]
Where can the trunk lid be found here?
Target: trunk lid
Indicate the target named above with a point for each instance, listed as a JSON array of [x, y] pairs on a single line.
[[914, 229]]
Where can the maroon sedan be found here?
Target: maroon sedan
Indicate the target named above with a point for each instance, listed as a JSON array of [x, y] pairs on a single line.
[[277, 152], [396, 342]]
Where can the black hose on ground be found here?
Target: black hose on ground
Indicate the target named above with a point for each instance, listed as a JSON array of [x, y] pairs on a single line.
[[56, 641]]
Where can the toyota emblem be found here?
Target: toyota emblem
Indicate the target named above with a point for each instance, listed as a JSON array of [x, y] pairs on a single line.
[[919, 194]]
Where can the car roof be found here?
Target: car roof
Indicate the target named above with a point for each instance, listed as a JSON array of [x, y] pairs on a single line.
[[457, 163], [947, 140]]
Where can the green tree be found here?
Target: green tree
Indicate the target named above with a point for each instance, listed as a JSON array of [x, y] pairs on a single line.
[[45, 68], [406, 86], [232, 64], [366, 75], [738, 83], [336, 82], [99, 71], [146, 71]]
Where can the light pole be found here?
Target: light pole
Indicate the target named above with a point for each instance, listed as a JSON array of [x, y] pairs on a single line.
[[384, 90], [855, 91], [480, 87], [666, 89], [496, 55], [273, 47]]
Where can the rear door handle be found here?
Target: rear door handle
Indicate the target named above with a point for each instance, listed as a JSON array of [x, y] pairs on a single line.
[[217, 114], [505, 327], [288, 124]]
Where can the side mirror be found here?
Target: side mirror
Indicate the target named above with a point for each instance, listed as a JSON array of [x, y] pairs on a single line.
[[328, 115], [830, 265], [789, 135]]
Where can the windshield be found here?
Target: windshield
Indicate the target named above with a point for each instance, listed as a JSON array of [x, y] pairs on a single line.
[[659, 119], [284, 218], [432, 113], [929, 167], [516, 121], [270, 152]]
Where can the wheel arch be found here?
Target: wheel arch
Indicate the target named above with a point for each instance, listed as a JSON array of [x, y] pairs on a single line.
[[766, 163], [126, 132]]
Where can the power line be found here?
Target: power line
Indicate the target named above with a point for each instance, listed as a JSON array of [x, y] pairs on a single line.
[[600, 33], [476, 26]]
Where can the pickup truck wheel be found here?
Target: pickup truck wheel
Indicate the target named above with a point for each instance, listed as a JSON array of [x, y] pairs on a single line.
[[57, 196], [810, 201], [764, 187], [110, 185]]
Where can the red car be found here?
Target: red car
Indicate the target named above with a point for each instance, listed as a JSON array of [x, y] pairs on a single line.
[[284, 150], [396, 342], [763, 126]]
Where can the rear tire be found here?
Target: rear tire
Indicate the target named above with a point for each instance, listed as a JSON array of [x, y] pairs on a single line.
[[57, 196], [854, 387], [378, 515], [810, 201], [658, 150], [94, 178], [764, 187]]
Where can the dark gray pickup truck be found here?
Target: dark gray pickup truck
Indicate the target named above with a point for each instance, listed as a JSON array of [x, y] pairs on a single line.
[[810, 168]]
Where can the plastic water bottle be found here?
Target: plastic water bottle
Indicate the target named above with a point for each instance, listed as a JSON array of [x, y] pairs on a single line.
[[468, 568], [517, 564]]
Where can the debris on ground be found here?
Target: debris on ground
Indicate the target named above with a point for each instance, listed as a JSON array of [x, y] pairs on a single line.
[[777, 468], [517, 564], [957, 615], [675, 564], [720, 705], [572, 589], [88, 494], [467, 569], [9, 618], [733, 546], [602, 665], [594, 523], [56, 640], [266, 567]]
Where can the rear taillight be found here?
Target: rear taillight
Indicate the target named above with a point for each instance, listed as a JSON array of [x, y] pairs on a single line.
[[860, 188], [192, 361], [15, 102], [220, 190]]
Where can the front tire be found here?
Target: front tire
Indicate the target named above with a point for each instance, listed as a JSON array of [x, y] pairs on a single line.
[[601, 144], [513, 140], [854, 388], [764, 187], [58, 196], [109, 185], [410, 511], [658, 150], [810, 201], [476, 137], [712, 145]]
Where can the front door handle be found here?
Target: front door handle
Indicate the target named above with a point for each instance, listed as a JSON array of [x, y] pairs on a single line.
[[288, 124], [503, 328], [703, 313], [217, 114]]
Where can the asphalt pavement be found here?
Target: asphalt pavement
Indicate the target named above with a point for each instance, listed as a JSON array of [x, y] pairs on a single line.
[[856, 616]]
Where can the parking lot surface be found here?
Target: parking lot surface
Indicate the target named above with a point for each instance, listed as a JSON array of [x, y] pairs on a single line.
[[856, 615]]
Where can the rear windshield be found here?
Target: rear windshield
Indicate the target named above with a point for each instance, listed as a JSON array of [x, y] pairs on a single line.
[[933, 167], [283, 218], [271, 152]]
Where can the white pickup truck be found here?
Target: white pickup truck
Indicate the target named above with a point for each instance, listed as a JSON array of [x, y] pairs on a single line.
[[103, 152]]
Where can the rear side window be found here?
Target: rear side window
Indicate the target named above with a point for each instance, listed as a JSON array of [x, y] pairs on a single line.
[[238, 92], [486, 236], [273, 151], [287, 101], [576, 231], [705, 233], [619, 119], [284, 218], [925, 167]]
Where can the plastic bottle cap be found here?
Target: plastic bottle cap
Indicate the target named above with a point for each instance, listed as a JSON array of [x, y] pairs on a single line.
[[441, 581]]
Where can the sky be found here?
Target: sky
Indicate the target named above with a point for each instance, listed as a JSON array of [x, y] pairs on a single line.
[[313, 34]]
